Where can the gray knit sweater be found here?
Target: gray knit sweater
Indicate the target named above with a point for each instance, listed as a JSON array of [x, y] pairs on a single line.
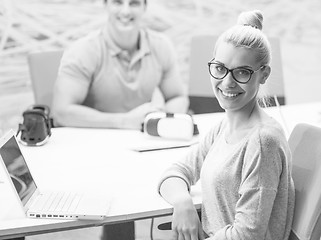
[[247, 188]]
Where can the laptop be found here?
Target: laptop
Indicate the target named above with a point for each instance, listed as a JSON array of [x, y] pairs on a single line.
[[48, 204]]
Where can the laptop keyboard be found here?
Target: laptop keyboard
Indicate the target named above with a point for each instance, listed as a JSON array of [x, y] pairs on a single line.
[[57, 202]]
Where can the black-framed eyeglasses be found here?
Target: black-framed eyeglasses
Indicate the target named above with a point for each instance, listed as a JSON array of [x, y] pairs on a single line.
[[239, 74]]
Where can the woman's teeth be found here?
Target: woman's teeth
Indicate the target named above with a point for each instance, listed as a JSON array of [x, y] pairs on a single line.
[[229, 94]]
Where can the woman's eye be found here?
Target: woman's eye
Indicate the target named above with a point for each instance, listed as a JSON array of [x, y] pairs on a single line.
[[219, 68], [242, 72]]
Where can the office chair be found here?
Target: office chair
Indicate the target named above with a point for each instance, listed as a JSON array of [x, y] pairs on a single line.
[[43, 69], [305, 144], [202, 99]]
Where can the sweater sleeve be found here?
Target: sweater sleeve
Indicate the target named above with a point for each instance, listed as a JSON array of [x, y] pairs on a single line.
[[261, 172], [189, 168]]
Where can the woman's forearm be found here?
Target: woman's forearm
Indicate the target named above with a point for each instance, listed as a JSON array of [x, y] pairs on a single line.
[[175, 191]]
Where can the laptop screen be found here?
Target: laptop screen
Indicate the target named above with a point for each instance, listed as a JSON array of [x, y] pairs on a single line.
[[18, 169]]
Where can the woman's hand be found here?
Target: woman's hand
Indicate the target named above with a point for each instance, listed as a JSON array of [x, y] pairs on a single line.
[[186, 224]]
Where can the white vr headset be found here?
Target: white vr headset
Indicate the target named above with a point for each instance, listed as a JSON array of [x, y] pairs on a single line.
[[170, 125]]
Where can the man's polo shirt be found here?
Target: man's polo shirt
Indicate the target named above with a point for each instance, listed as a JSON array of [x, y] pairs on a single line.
[[115, 82]]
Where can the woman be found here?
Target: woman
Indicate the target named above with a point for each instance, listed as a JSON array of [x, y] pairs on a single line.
[[244, 163]]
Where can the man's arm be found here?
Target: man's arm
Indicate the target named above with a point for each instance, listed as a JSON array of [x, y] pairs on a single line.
[[177, 104], [172, 86], [68, 110], [175, 94]]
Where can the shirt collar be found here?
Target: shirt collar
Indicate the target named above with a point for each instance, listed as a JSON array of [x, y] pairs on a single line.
[[144, 47]]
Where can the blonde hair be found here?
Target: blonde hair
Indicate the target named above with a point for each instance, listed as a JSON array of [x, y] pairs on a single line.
[[247, 33]]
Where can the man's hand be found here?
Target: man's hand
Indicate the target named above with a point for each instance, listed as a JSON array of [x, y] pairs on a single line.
[[135, 117]]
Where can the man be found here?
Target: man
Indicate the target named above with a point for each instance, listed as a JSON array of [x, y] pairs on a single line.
[[112, 78]]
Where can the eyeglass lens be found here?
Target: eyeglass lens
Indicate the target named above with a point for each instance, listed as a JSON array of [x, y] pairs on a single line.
[[219, 71]]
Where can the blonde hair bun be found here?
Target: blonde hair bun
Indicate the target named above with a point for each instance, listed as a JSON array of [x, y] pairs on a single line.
[[252, 18]]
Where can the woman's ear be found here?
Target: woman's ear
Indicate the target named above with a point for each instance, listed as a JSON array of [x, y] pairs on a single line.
[[265, 74]]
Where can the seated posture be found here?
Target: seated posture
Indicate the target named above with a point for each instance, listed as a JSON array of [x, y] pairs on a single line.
[[113, 77], [244, 162]]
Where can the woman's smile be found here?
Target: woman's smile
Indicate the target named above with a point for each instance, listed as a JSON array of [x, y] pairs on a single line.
[[229, 95]]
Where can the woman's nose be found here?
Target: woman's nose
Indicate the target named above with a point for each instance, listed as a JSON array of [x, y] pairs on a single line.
[[229, 81]]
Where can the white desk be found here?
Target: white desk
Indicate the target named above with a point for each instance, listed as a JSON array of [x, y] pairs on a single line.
[[102, 160], [95, 160]]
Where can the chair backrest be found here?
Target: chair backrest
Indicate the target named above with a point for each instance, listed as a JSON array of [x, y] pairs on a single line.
[[43, 69], [305, 144], [200, 90]]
